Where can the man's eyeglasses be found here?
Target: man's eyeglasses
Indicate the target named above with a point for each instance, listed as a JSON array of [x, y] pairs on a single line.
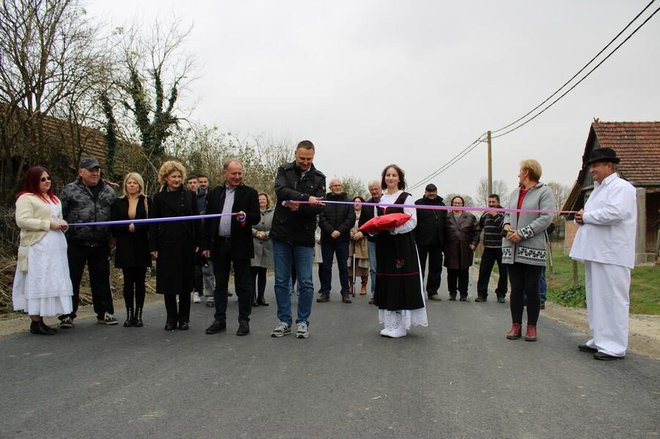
[[44, 179]]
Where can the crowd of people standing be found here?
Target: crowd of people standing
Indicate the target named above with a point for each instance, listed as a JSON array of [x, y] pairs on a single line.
[[245, 236]]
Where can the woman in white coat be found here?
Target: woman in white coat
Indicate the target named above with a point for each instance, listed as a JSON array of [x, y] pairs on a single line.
[[42, 286]]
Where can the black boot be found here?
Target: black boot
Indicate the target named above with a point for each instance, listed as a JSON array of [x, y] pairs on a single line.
[[47, 328], [130, 318], [36, 328], [138, 318]]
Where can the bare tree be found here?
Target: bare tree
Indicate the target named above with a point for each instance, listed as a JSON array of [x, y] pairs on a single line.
[[152, 71], [203, 149], [561, 192], [353, 187], [499, 188], [49, 65]]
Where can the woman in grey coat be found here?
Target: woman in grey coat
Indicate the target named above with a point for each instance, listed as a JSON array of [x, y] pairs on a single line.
[[263, 251], [523, 248]]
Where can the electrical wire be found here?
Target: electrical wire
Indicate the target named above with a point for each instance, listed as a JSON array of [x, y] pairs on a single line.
[[582, 79], [479, 140], [579, 71], [449, 163]]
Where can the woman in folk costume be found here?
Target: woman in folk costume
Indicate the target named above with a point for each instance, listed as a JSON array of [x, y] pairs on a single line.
[[42, 286], [399, 281], [358, 252]]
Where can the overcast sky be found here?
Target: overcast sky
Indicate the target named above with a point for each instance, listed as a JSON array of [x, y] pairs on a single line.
[[373, 82]]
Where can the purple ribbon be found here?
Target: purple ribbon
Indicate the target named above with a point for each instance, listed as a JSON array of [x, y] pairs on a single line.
[[427, 207], [152, 220]]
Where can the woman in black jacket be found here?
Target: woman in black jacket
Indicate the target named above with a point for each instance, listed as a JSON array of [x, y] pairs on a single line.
[[461, 238], [174, 243], [132, 248]]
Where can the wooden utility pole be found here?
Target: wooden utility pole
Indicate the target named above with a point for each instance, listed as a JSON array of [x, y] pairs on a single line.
[[490, 165]]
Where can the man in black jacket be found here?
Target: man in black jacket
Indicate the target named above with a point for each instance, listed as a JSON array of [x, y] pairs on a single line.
[[228, 240], [292, 233], [89, 199], [429, 236], [368, 212], [335, 222]]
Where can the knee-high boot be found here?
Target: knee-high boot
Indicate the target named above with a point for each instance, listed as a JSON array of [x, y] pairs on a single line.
[[130, 318], [138, 318]]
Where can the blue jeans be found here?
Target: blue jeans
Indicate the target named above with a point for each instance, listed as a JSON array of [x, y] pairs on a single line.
[[543, 287], [372, 265], [285, 257], [328, 250]]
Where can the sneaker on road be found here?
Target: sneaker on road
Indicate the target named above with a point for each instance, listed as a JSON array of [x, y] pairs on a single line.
[[66, 323], [281, 330], [210, 302], [302, 331], [106, 319], [196, 298]]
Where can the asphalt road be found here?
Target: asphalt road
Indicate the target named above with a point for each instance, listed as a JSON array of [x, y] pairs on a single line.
[[459, 377]]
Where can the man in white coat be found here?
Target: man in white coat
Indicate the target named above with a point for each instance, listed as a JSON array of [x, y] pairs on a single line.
[[605, 242]]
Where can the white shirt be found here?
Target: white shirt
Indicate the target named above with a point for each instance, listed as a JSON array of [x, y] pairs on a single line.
[[412, 222], [224, 228], [610, 224]]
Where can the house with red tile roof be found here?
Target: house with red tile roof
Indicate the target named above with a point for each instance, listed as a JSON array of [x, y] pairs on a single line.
[[638, 146]]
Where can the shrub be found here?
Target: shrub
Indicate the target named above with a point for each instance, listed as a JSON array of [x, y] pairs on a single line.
[[574, 296]]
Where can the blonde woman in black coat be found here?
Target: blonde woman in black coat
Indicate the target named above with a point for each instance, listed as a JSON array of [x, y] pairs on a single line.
[[132, 247], [174, 244]]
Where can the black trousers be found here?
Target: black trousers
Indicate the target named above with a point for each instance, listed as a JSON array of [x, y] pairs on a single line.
[[198, 278], [525, 278], [97, 260], [434, 253], [182, 314], [458, 276], [258, 283], [488, 259], [222, 261], [134, 290]]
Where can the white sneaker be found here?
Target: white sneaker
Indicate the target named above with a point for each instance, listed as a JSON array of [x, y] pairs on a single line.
[[196, 298], [302, 331]]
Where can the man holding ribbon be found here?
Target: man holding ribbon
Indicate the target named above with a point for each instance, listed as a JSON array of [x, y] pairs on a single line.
[[605, 242], [228, 240], [293, 230]]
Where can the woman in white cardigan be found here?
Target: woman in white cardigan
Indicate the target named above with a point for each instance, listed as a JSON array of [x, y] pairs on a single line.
[[42, 286]]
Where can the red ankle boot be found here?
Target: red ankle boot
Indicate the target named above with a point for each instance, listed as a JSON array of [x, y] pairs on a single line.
[[530, 335], [514, 333]]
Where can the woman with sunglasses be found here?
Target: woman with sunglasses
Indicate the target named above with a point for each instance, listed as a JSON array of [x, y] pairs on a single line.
[[42, 286]]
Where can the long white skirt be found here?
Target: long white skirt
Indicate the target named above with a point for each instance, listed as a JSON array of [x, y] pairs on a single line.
[[45, 289]]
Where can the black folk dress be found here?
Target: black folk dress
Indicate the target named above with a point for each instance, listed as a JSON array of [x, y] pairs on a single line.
[[398, 285]]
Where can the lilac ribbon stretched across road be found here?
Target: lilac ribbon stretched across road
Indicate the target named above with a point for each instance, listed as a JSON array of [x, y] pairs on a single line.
[[151, 220], [427, 207]]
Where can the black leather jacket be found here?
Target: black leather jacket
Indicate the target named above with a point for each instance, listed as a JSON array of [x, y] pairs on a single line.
[[296, 228]]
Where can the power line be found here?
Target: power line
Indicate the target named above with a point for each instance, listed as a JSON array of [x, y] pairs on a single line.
[[577, 83], [479, 140], [579, 71], [451, 161]]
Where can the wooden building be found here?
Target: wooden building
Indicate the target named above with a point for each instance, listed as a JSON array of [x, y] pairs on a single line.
[[638, 146]]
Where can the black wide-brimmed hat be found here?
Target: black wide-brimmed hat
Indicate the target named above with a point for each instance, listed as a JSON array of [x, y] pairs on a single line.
[[602, 155]]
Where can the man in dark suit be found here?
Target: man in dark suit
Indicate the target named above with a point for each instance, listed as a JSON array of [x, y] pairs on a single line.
[[228, 240]]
